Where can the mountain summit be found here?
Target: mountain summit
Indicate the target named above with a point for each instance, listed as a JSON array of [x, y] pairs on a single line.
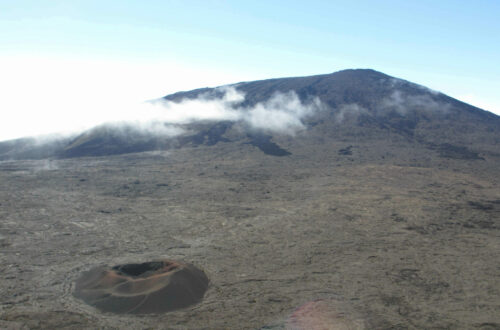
[[281, 116]]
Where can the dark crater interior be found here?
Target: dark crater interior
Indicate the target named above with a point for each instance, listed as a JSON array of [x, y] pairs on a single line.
[[143, 270]]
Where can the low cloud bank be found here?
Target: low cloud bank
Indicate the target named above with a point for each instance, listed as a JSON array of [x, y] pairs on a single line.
[[281, 113], [399, 102]]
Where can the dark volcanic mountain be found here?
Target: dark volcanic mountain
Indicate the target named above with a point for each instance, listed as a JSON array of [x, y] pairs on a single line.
[[356, 106]]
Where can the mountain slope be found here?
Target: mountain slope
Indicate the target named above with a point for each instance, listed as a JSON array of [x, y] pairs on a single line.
[[357, 105]]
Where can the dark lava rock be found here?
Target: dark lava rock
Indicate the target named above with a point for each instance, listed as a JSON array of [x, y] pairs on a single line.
[[447, 150], [346, 151], [264, 143]]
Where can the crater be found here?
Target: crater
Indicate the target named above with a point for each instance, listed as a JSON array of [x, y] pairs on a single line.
[[143, 288]]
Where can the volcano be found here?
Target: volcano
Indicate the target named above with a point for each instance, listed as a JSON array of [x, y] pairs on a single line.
[[352, 199], [357, 106]]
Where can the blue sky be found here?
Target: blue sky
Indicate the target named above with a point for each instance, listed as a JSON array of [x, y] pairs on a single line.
[[82, 54]]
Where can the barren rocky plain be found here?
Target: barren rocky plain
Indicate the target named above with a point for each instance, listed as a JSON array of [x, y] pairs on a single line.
[[399, 234]]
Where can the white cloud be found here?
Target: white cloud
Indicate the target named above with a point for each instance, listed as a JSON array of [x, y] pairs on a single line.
[[42, 95], [402, 103], [46, 95], [349, 110], [281, 113]]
